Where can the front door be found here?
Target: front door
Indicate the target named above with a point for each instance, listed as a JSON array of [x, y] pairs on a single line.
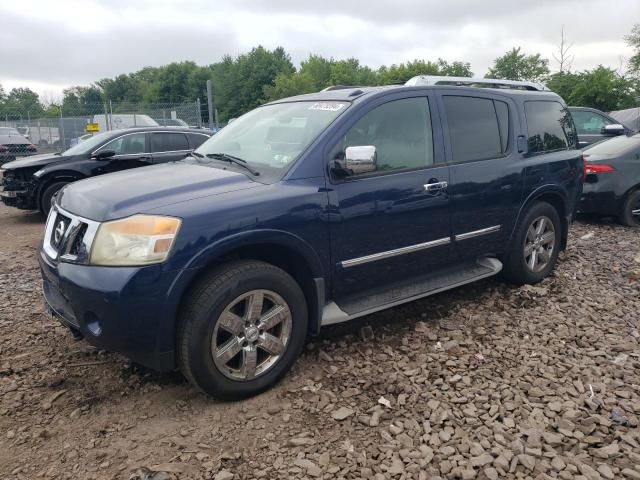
[[130, 152], [391, 224], [589, 125]]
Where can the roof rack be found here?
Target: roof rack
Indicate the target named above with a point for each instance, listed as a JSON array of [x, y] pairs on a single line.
[[476, 82]]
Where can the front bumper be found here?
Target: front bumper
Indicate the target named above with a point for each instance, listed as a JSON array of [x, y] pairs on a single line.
[[120, 309], [17, 193]]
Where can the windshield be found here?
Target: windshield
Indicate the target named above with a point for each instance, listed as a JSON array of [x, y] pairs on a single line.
[[89, 144], [271, 138], [615, 146]]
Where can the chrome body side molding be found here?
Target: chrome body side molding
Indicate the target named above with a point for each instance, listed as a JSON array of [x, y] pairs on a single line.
[[392, 253], [477, 233]]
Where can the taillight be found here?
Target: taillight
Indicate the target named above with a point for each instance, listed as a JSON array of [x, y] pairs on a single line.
[[32, 148], [591, 168]]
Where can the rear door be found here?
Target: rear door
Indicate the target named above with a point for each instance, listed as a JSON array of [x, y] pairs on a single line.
[[486, 170], [169, 146]]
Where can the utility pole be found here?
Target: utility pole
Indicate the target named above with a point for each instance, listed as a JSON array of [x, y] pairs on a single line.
[[210, 104]]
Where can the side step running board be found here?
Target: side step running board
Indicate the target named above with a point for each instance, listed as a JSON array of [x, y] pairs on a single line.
[[408, 291]]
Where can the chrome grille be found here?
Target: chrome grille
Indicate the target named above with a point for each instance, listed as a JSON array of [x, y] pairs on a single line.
[[68, 237]]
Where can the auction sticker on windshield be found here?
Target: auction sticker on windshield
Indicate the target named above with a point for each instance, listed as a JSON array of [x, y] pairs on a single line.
[[327, 106]]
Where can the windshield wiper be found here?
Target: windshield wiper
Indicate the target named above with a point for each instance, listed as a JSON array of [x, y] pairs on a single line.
[[232, 159], [196, 154]]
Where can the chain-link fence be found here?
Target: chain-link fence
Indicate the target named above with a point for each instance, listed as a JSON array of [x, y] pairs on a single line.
[[62, 127]]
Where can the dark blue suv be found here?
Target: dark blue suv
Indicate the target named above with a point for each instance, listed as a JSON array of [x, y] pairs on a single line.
[[310, 211]]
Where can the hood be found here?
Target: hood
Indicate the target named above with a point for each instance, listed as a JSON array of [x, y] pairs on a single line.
[[144, 189], [33, 161]]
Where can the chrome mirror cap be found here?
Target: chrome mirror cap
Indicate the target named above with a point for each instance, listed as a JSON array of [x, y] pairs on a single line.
[[360, 159]]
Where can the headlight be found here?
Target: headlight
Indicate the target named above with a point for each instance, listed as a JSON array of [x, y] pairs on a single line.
[[133, 241]]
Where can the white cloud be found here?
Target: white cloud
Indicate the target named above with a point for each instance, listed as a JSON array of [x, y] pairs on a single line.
[[50, 45]]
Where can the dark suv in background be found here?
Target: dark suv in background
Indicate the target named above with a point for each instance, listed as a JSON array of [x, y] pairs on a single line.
[[31, 183], [309, 211]]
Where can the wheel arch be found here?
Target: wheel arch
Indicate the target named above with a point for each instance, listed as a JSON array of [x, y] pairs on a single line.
[[53, 177], [554, 196], [624, 198], [284, 250]]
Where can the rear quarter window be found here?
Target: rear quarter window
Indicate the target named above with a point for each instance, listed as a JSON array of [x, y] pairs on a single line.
[[197, 139], [549, 125]]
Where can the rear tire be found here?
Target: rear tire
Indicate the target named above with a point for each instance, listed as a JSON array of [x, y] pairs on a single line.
[[630, 205], [536, 245], [241, 329], [48, 194]]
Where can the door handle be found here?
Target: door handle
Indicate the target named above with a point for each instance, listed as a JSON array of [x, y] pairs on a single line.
[[432, 187]]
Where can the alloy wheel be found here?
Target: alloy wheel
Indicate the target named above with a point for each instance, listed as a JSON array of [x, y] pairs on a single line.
[[251, 335], [635, 212], [539, 244]]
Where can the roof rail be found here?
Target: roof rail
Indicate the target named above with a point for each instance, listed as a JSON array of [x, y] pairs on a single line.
[[475, 82], [336, 87], [356, 90]]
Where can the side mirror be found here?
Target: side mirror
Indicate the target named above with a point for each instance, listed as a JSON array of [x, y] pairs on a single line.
[[613, 129], [104, 154], [360, 159]]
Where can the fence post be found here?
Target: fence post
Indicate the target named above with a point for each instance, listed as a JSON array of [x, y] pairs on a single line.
[[63, 139], [210, 104], [199, 110], [110, 116], [106, 117]]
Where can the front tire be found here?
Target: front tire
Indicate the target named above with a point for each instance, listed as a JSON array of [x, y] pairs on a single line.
[[48, 194], [241, 329], [631, 210], [536, 245]]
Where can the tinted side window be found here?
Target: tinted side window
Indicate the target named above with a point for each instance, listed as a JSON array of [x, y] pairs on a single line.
[[401, 132], [474, 129], [549, 126], [588, 123], [168, 142], [127, 144], [197, 139]]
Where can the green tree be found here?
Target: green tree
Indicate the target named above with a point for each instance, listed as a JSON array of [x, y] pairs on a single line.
[[317, 69], [633, 40], [350, 72], [602, 88], [288, 85], [455, 69], [122, 88], [402, 72], [240, 84], [82, 100], [22, 102], [515, 65]]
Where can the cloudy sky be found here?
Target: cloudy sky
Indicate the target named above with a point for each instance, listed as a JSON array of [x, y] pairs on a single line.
[[49, 45]]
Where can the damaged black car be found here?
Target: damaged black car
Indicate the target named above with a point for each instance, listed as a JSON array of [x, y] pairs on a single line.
[[31, 183]]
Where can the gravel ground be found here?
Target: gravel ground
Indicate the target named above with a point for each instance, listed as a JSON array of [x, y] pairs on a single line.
[[485, 382]]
